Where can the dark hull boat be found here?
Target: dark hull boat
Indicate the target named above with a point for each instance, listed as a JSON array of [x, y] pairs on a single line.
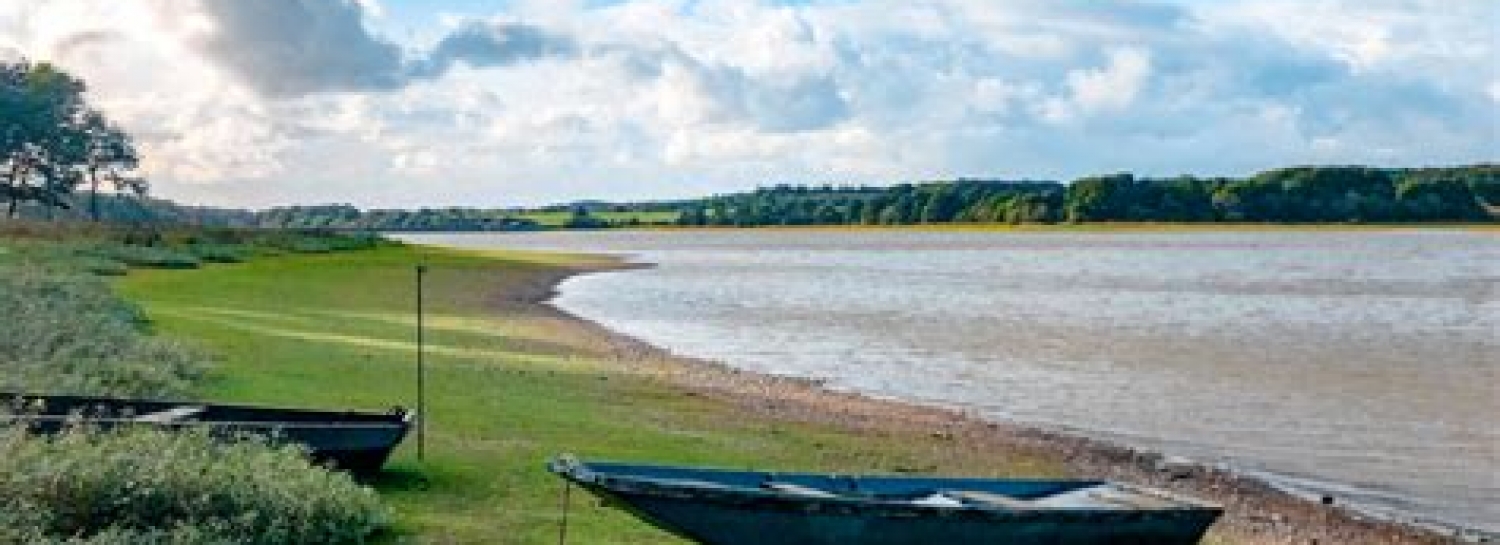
[[743, 508], [357, 442]]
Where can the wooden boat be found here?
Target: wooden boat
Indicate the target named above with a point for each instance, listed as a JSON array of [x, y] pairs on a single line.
[[722, 507], [359, 442]]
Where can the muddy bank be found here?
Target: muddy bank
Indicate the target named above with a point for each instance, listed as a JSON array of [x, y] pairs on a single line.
[[1255, 512]]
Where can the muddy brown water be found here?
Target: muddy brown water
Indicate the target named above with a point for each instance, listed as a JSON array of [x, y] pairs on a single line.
[[1360, 364]]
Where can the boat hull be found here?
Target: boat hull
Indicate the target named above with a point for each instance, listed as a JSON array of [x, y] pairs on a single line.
[[358, 442], [762, 524], [731, 515]]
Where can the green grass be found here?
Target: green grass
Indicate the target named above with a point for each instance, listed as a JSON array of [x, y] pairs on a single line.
[[559, 218], [505, 391]]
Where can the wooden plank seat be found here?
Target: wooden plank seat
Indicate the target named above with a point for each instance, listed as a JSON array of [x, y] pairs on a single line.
[[1100, 497], [170, 415], [1086, 498], [1129, 499], [989, 498], [797, 490]]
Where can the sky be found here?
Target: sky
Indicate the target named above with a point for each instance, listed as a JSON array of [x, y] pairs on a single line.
[[404, 103]]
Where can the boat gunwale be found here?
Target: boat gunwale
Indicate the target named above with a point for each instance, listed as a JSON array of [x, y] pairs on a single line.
[[615, 485], [397, 417], [83, 420]]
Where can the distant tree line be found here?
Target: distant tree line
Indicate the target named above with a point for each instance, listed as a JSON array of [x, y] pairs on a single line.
[[579, 215], [53, 143], [904, 204], [336, 217], [1295, 195], [133, 209], [1290, 195], [347, 217]]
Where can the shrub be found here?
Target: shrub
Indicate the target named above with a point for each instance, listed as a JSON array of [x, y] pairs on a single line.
[[151, 486], [360, 241], [220, 253], [101, 266], [153, 257], [317, 242], [309, 246], [68, 334]]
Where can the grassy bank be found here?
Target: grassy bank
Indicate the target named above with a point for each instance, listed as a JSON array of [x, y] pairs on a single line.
[[510, 385]]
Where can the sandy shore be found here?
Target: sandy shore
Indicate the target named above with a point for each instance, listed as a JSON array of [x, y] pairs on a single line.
[[1255, 512]]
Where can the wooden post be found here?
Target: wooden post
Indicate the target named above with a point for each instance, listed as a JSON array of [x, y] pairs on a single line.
[[421, 369], [562, 527]]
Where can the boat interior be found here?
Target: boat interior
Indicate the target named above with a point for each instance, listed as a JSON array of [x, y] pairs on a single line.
[[35, 408], [1003, 494]]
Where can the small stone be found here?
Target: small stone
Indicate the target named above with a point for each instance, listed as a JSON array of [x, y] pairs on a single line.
[[1176, 467]]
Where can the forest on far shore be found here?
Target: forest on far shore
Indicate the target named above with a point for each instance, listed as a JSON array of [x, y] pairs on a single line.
[[1291, 195]]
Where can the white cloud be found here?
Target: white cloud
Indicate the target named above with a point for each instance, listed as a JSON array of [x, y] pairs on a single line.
[[373, 8], [300, 100], [1111, 88], [1115, 86]]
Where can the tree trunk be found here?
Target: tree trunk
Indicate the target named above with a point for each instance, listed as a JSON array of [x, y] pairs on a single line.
[[17, 183], [94, 194], [13, 187]]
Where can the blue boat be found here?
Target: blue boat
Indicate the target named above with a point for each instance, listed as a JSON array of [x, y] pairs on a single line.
[[723, 507]]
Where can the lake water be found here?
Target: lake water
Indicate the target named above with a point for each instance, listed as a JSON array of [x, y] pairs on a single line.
[[1357, 364]]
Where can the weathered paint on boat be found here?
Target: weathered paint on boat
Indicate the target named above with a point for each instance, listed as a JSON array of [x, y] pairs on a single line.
[[358, 442], [722, 507]]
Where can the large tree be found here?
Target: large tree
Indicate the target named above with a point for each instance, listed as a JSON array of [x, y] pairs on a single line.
[[112, 159], [52, 141]]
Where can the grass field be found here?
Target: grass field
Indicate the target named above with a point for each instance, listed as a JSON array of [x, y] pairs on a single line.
[[506, 390]]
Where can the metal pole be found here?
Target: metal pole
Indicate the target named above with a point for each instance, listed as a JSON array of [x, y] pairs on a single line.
[[421, 370]]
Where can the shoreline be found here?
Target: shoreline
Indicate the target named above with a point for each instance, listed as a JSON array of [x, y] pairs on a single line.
[[1489, 228], [1256, 511]]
